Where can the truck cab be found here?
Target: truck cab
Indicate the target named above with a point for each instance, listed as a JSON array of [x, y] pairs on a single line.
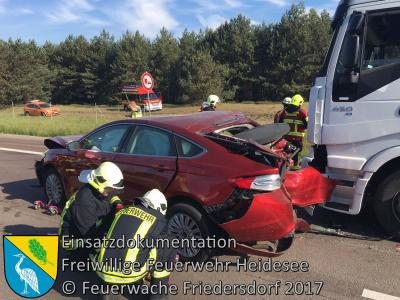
[[354, 113], [133, 95]]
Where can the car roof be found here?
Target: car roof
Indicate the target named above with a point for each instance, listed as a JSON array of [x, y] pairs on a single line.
[[36, 102], [194, 122]]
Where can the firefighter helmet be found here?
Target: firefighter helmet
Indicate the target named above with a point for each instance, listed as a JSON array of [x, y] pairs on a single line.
[[156, 200], [107, 175], [213, 100], [287, 101], [297, 100]]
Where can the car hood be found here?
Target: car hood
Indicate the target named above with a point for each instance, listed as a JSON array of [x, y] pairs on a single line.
[[60, 141]]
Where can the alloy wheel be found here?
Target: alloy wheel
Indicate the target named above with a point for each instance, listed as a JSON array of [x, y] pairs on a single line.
[[182, 226]]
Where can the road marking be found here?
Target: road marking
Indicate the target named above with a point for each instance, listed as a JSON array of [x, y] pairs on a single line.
[[21, 151], [377, 296]]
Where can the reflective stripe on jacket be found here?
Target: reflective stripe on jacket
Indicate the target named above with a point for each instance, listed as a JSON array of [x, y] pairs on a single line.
[[132, 223]]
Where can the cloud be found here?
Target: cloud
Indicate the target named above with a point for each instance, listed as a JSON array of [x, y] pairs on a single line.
[[279, 3], [146, 16], [71, 11], [212, 21], [234, 3], [5, 9]]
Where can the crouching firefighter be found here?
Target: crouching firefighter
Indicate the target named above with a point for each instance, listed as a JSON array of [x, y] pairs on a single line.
[[145, 221], [89, 212]]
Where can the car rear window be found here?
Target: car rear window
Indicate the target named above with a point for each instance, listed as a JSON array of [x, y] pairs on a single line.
[[233, 130]]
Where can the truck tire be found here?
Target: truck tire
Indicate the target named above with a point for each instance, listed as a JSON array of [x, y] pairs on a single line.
[[185, 221], [387, 204]]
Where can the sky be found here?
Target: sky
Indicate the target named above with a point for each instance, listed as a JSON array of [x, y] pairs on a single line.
[[54, 20]]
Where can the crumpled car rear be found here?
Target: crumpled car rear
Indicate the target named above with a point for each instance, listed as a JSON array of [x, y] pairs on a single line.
[[308, 187]]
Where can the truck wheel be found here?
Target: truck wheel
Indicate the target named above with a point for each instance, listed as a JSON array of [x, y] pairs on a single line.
[[185, 221], [53, 188], [387, 203]]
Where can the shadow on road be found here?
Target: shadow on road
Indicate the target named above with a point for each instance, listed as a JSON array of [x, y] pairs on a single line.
[[22, 229], [27, 189], [362, 226]]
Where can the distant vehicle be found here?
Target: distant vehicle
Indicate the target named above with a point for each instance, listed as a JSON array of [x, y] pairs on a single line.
[[211, 166], [132, 94], [40, 108]]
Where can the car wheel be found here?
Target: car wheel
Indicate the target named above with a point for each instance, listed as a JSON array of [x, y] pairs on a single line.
[[26, 114], [185, 221], [42, 114], [387, 204], [53, 188]]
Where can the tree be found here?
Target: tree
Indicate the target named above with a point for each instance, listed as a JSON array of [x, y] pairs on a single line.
[[163, 62], [198, 74]]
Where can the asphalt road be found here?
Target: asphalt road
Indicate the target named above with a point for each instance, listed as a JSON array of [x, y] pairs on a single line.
[[347, 267]]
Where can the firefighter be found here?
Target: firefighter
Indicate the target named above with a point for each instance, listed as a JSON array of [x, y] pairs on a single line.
[[285, 102], [145, 221], [136, 110], [210, 104], [89, 212], [297, 119]]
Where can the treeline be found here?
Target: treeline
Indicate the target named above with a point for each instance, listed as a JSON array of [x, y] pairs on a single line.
[[238, 61]]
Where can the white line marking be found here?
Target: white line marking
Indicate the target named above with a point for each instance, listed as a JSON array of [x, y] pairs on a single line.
[[377, 296], [21, 151]]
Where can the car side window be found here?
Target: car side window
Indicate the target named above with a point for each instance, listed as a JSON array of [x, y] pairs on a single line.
[[150, 141], [187, 148], [108, 139]]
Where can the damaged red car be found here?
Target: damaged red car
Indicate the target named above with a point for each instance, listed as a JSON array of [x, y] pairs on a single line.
[[219, 171]]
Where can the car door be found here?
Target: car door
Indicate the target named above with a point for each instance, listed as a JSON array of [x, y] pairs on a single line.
[[148, 160], [99, 146], [35, 110]]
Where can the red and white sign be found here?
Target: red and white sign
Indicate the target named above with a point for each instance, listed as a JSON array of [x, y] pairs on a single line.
[[147, 81]]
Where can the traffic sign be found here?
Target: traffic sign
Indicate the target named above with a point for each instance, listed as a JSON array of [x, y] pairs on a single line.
[[147, 80]]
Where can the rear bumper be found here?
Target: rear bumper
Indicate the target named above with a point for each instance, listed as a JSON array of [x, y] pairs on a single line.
[[270, 217]]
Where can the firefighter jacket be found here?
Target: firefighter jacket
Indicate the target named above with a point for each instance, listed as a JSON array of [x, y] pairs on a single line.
[[87, 214], [135, 223], [297, 121]]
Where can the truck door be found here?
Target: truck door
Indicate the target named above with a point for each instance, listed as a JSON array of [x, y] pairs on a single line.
[[148, 161], [363, 89]]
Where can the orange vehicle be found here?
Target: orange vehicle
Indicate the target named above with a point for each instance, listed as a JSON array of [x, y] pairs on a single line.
[[136, 95], [40, 108]]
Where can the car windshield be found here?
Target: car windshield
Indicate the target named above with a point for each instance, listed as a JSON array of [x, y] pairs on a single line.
[[45, 105], [151, 96]]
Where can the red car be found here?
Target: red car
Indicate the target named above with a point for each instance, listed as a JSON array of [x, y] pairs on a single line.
[[215, 173]]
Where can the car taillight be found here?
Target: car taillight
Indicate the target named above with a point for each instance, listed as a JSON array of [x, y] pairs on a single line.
[[259, 183]]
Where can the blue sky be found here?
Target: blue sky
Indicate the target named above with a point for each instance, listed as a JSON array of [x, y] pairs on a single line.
[[54, 20]]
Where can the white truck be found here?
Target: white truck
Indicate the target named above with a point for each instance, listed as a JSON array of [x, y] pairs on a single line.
[[354, 113]]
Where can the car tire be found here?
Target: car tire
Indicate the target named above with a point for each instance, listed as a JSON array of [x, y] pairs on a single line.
[[185, 221], [387, 204], [42, 114], [53, 188], [26, 114]]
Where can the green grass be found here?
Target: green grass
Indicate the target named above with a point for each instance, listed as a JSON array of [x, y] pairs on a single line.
[[80, 119]]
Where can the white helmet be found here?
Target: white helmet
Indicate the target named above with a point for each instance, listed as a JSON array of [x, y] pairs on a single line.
[[107, 175], [287, 101], [156, 200], [213, 99]]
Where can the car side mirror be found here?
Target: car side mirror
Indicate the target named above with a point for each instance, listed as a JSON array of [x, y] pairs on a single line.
[[73, 146]]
